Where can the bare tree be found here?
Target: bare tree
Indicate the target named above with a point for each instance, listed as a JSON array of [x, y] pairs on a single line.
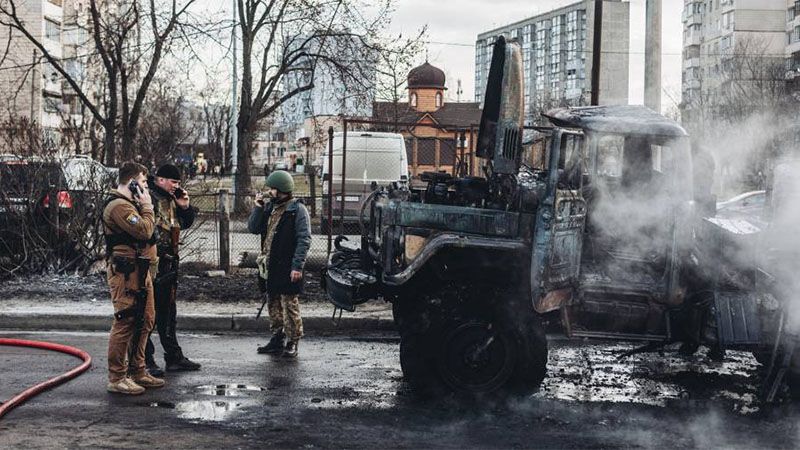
[[130, 38], [395, 61], [285, 43], [738, 101], [165, 125]]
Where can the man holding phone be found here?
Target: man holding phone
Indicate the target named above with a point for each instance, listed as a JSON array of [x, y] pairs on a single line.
[[171, 209], [128, 225]]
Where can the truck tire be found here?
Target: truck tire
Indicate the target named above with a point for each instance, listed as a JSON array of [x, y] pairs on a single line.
[[476, 356], [518, 317], [417, 346], [417, 363]]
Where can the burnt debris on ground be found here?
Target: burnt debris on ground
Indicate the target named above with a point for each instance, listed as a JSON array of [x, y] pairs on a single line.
[[193, 286]]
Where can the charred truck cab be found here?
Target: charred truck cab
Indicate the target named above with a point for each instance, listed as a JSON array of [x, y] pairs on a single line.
[[585, 226]]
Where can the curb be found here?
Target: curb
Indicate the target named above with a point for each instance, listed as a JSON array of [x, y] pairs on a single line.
[[210, 323]]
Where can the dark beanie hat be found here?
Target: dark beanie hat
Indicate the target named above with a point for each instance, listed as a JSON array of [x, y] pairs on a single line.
[[169, 171]]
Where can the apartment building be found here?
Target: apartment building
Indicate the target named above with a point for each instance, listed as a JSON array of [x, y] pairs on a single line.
[[793, 43], [716, 32], [29, 87], [557, 58]]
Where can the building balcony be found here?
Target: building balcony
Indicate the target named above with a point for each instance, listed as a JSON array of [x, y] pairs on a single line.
[[692, 39], [727, 5], [691, 84], [693, 19], [691, 62], [52, 11], [791, 24], [51, 120], [793, 48]]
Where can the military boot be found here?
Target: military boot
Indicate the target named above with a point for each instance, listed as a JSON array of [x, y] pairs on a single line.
[[153, 368], [275, 345], [182, 364], [291, 350], [148, 381], [125, 386]]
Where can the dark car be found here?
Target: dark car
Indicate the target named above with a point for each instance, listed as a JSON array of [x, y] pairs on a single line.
[[50, 205]]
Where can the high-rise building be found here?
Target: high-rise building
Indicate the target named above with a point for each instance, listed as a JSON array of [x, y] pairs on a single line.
[[719, 34], [793, 43], [557, 57]]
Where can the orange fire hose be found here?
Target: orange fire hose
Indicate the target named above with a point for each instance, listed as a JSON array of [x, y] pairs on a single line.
[[53, 382]]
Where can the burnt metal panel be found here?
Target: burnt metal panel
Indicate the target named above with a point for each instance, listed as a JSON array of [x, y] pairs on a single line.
[[737, 318], [460, 219]]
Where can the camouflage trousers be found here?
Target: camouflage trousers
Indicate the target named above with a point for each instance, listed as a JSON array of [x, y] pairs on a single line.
[[284, 314]]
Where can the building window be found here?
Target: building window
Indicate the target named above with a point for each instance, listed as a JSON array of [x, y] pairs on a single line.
[[52, 30], [438, 100], [426, 151], [414, 99], [52, 104], [447, 152]]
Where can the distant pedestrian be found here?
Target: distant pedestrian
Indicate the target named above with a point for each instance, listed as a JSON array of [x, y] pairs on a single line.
[[285, 232]]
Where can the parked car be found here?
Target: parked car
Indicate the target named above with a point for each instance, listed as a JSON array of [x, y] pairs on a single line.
[[281, 164], [747, 204], [29, 186]]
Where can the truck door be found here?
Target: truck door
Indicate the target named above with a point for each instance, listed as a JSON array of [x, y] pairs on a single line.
[[560, 221]]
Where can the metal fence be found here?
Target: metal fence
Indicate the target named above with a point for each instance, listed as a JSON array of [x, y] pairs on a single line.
[[220, 239]]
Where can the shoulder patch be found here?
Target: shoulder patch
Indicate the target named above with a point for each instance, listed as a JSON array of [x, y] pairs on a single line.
[[132, 219]]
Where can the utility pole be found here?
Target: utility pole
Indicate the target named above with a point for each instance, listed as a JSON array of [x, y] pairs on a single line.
[[652, 55], [234, 111], [596, 46]]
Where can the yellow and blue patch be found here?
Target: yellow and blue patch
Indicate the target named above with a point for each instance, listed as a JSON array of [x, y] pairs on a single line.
[[132, 219]]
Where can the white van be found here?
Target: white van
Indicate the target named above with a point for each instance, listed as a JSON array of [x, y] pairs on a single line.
[[371, 157]]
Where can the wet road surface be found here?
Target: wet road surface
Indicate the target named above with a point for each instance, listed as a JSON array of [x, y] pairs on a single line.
[[348, 392]]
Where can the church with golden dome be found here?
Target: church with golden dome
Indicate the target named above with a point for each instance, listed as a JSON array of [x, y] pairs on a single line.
[[432, 125]]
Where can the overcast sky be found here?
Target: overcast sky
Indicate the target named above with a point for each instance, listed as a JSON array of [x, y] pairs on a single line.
[[453, 26]]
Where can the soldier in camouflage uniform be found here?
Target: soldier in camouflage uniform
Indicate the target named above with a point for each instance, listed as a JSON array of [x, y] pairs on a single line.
[[285, 232], [171, 209]]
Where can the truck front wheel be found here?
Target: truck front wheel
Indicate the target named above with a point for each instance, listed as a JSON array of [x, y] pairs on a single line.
[[476, 357]]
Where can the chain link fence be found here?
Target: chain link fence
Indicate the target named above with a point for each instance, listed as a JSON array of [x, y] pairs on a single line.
[[220, 239]]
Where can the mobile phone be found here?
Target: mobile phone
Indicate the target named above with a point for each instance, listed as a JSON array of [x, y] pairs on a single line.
[[134, 188], [179, 193]]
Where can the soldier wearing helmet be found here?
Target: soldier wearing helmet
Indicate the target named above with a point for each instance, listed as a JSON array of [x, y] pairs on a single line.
[[285, 230]]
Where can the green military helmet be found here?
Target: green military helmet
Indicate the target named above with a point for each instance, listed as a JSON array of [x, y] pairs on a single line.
[[281, 180]]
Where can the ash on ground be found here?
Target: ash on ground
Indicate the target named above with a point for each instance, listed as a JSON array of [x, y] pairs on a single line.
[[195, 286]]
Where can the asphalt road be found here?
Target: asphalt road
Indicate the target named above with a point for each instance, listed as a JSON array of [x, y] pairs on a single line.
[[348, 392]]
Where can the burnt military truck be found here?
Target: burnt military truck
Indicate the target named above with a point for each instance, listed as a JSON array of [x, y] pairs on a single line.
[[588, 226]]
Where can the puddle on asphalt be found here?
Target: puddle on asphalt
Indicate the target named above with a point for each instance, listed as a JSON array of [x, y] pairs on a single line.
[[204, 410], [200, 410], [211, 410], [228, 390], [595, 373]]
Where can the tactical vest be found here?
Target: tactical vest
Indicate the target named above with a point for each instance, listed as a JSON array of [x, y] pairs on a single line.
[[114, 239]]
